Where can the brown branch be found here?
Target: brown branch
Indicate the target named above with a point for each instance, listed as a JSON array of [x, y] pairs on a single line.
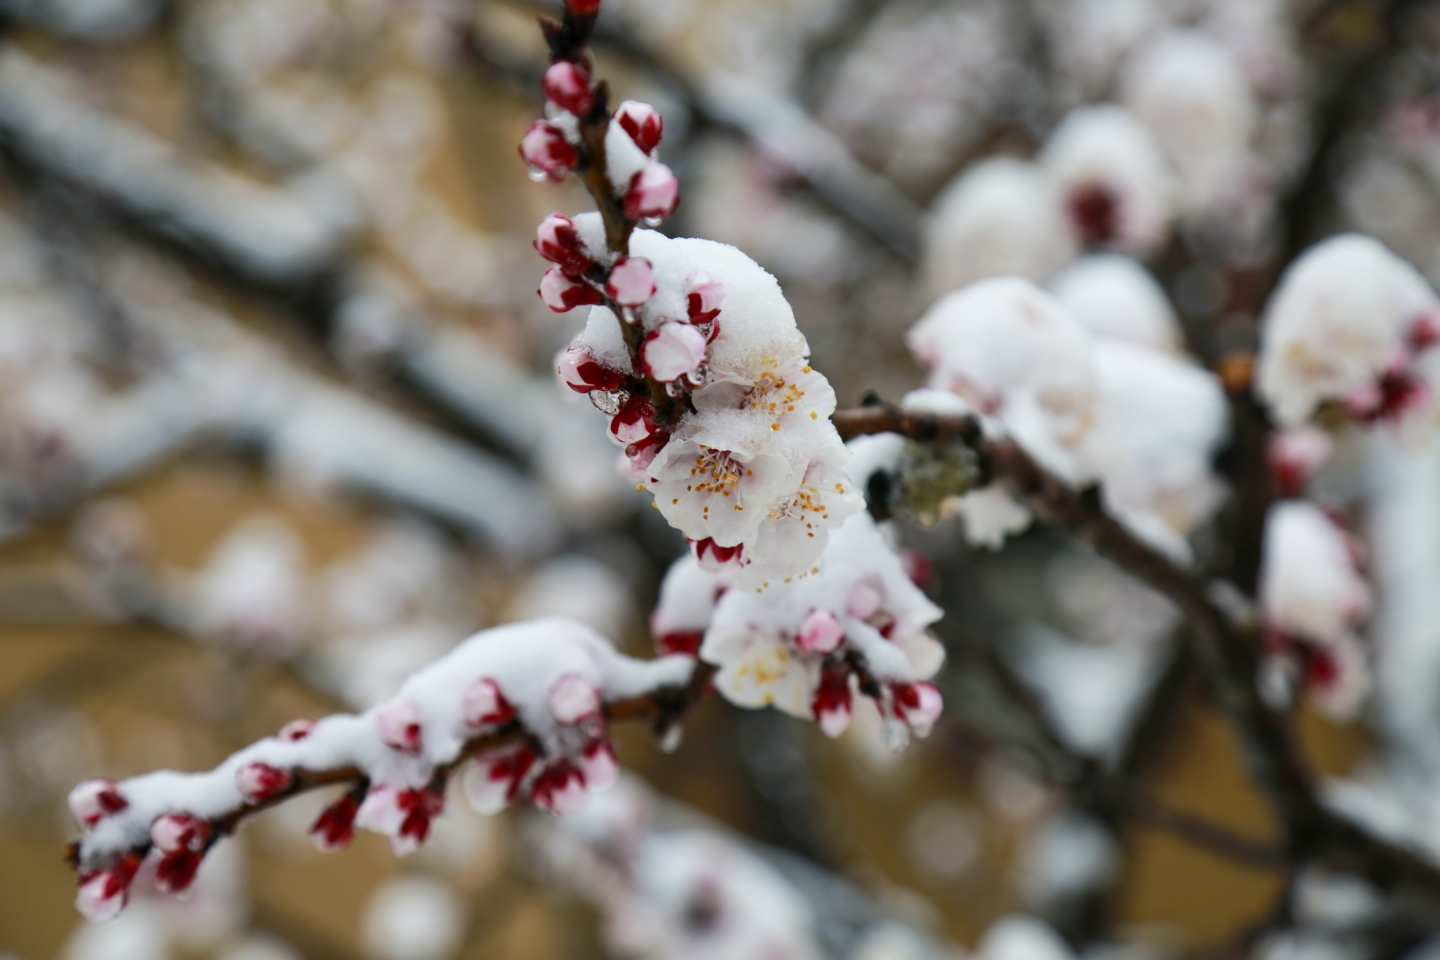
[[1227, 651]]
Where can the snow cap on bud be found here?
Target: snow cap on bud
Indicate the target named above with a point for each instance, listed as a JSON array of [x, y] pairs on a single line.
[[557, 241], [706, 294], [102, 893], [632, 281], [297, 729], [635, 422], [642, 122], [93, 800], [672, 350], [599, 765], [573, 699], [491, 782], [919, 705], [561, 293], [258, 782], [820, 632], [832, 703], [335, 827], [560, 788], [546, 151], [583, 373], [399, 725], [483, 703], [179, 831], [652, 193], [567, 86]]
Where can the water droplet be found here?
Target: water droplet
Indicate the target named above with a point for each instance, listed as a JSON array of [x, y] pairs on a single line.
[[537, 174], [653, 221]]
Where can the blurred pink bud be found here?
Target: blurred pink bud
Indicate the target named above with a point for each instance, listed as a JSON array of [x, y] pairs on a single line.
[[258, 782], [335, 827], [546, 151], [483, 703], [599, 765], [491, 782], [401, 813], [632, 281], [297, 729], [1424, 333], [833, 700], [820, 632], [176, 871], [652, 194], [399, 725], [583, 373], [102, 893], [1294, 456], [560, 788], [864, 601], [672, 350], [583, 8], [714, 558], [561, 293], [919, 705], [573, 699], [568, 87], [642, 122], [93, 800], [557, 241], [179, 831], [705, 296]]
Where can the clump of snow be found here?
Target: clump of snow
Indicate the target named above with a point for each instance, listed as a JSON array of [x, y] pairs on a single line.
[[1352, 324], [1115, 297], [1000, 217], [250, 593], [412, 918]]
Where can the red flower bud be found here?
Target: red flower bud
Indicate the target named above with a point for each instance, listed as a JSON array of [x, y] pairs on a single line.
[[568, 87], [652, 193], [642, 122], [547, 152], [258, 782], [335, 827], [583, 373], [557, 241], [561, 293]]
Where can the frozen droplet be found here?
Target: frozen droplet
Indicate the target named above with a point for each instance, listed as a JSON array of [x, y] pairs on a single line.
[[653, 222], [538, 175]]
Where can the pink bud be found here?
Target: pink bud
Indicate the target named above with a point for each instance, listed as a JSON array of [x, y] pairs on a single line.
[[490, 782], [1424, 333], [642, 122], [573, 699], [179, 831], [635, 421], [714, 558], [102, 893], [632, 281], [672, 350], [919, 705], [176, 871], [401, 813], [93, 800], [705, 296], [561, 293], [557, 241], [832, 703], [820, 632], [919, 568], [297, 729], [258, 782], [335, 827], [686, 642], [599, 765], [560, 788], [483, 703], [864, 601], [652, 193], [640, 454], [399, 725], [583, 373], [568, 87], [547, 152], [1294, 456], [583, 8]]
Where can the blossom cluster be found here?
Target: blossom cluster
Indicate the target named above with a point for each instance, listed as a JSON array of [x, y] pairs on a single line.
[[549, 680], [808, 646], [1313, 598], [1114, 406]]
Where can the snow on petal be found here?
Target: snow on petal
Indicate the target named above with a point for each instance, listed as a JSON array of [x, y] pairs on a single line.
[[1309, 585], [1115, 297]]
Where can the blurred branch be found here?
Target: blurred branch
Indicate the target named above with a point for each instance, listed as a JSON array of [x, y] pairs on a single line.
[[92, 21], [1228, 651]]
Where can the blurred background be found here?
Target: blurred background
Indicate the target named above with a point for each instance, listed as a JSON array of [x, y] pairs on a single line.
[[278, 426]]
